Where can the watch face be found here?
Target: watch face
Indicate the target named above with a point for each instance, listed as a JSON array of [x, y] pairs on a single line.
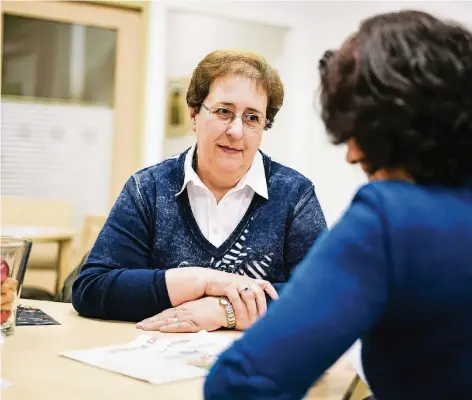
[[224, 301]]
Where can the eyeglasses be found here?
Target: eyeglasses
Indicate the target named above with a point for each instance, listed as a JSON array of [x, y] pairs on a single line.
[[252, 120]]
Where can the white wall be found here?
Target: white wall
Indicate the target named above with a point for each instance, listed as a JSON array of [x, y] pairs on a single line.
[[313, 27], [212, 32]]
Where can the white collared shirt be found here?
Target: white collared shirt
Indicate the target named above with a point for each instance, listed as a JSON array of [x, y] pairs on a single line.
[[218, 221]]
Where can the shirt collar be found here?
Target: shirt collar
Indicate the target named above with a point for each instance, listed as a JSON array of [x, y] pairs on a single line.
[[189, 173], [255, 177]]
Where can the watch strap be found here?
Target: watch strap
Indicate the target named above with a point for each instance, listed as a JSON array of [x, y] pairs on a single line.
[[230, 315]]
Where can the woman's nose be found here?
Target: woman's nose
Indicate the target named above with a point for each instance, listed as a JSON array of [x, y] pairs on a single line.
[[236, 128], [353, 153]]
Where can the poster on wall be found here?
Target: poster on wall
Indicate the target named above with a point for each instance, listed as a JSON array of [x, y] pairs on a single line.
[[178, 120]]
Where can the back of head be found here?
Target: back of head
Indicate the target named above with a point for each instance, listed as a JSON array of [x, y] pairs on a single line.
[[401, 86], [222, 63]]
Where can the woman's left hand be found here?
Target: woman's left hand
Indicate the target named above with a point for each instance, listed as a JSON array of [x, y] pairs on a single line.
[[202, 314]]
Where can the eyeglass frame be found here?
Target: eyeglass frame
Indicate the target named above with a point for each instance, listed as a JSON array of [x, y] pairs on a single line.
[[268, 123]]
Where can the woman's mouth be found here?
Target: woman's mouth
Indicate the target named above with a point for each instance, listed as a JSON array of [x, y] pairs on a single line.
[[229, 150]]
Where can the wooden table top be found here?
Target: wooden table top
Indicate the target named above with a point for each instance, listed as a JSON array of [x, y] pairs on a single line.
[[34, 370]]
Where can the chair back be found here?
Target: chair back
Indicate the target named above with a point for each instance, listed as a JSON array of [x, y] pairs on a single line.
[[39, 212], [91, 227], [90, 230]]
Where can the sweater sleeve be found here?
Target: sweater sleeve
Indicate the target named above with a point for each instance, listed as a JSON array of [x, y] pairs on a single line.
[[336, 295], [307, 225], [117, 281]]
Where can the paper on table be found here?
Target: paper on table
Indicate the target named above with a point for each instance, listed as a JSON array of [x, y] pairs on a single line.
[[156, 359]]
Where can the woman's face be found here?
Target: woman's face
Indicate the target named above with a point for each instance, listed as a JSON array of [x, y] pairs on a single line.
[[355, 155], [226, 150]]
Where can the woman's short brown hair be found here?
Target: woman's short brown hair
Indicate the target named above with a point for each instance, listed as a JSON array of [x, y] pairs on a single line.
[[222, 63], [401, 87]]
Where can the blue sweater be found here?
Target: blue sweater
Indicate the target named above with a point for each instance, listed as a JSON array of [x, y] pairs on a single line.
[[395, 271], [151, 229]]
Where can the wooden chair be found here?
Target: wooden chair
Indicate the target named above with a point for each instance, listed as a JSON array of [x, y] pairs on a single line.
[[91, 227], [25, 211]]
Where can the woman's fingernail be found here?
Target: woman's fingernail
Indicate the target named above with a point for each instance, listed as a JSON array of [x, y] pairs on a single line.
[[139, 325]]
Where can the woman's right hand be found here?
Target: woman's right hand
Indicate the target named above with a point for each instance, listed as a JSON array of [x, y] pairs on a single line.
[[248, 301], [217, 283]]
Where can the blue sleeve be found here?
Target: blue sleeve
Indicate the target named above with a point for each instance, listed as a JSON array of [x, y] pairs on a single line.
[[336, 295], [116, 281], [307, 224]]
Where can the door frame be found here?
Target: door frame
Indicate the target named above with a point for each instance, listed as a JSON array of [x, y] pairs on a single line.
[[129, 132], [143, 7]]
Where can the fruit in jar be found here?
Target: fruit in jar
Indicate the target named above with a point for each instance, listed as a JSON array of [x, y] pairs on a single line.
[[5, 316], [5, 270]]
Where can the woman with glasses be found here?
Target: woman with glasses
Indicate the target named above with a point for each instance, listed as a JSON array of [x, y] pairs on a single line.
[[199, 240], [396, 270]]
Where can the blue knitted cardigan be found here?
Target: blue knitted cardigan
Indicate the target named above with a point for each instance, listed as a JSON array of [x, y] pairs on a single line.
[[151, 229]]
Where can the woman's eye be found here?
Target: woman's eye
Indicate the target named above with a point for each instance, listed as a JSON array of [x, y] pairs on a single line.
[[252, 117], [223, 111]]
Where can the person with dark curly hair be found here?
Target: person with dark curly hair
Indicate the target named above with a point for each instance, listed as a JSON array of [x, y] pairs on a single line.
[[197, 241], [396, 270]]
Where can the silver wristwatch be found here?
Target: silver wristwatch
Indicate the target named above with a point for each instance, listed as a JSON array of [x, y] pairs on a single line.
[[230, 316]]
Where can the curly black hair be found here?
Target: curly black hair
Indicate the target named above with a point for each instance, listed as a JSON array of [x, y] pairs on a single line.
[[401, 87]]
